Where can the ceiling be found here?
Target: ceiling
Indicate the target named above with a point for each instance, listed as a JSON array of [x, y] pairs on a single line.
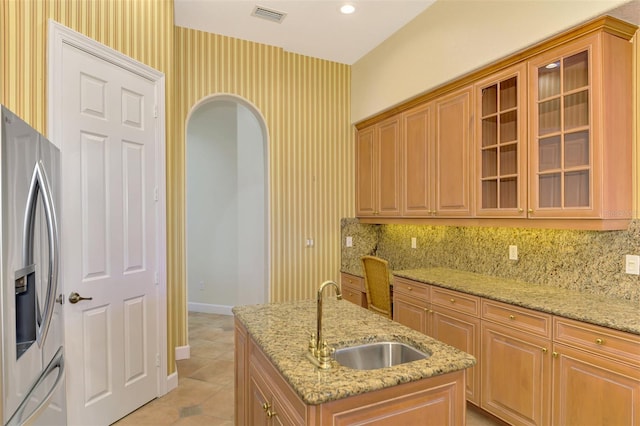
[[316, 27], [311, 27]]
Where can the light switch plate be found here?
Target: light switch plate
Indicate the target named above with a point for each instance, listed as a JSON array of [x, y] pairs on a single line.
[[513, 252], [632, 264], [414, 242], [349, 242]]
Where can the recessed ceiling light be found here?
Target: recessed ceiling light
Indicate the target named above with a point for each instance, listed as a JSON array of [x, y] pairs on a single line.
[[347, 9]]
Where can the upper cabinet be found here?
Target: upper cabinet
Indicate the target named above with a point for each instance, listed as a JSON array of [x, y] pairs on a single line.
[[580, 130], [418, 162], [378, 176], [501, 136], [540, 139], [454, 168]]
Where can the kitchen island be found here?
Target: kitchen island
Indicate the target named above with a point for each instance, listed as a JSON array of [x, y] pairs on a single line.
[[277, 384]]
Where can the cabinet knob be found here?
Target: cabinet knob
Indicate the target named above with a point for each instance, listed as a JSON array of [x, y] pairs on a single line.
[[555, 354], [271, 414], [599, 341], [452, 300], [409, 288], [520, 210], [512, 317], [544, 350], [530, 210], [266, 406]]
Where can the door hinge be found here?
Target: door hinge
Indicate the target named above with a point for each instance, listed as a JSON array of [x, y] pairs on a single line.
[[155, 194], [157, 360]]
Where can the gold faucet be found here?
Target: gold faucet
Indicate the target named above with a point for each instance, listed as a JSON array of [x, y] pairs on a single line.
[[319, 351]]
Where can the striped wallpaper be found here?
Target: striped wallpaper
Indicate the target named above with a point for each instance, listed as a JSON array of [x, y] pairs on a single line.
[[305, 102]]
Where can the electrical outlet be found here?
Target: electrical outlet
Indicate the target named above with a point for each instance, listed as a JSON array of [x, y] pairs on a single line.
[[414, 242], [513, 252], [349, 242], [309, 242], [632, 264]]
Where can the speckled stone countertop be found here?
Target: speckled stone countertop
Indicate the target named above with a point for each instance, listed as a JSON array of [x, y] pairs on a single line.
[[282, 330], [600, 310]]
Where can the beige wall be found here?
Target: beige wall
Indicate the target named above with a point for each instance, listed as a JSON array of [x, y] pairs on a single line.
[[454, 37]]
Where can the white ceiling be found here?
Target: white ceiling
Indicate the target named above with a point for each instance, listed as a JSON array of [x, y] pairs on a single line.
[[311, 27], [316, 27]]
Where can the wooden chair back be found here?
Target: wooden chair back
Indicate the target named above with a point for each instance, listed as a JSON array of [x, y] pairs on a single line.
[[376, 281]]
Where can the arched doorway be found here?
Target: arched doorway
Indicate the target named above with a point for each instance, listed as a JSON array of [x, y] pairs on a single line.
[[227, 204]]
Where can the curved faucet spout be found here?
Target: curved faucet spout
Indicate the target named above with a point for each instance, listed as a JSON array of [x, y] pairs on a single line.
[[317, 347]]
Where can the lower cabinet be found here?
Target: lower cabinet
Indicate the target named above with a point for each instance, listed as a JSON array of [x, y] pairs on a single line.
[[533, 368], [411, 302], [462, 332], [271, 401], [596, 375], [353, 289]]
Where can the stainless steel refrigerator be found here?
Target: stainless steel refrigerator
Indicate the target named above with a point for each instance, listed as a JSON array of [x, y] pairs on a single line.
[[32, 355]]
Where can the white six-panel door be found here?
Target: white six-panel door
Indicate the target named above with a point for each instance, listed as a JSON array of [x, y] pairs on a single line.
[[109, 237]]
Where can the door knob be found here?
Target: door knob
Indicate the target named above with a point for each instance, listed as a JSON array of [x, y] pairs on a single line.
[[75, 297]]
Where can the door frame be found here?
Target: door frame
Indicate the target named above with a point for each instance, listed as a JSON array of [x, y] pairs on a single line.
[[58, 36]]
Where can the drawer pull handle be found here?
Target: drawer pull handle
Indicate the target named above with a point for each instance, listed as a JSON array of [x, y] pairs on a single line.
[[599, 341], [452, 300], [271, 414], [266, 406], [512, 317], [409, 288]]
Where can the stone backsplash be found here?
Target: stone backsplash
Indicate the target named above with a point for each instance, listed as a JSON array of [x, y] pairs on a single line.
[[588, 261]]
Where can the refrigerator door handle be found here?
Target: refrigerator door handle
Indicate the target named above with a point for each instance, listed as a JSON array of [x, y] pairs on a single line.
[[40, 184], [18, 418]]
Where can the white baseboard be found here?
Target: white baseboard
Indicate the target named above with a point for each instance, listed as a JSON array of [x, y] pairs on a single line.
[[208, 308], [183, 352], [172, 381]]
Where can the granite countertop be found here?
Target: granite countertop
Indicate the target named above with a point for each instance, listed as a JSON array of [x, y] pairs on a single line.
[[600, 310], [282, 330]]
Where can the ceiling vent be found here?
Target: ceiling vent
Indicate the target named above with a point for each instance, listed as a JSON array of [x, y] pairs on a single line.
[[268, 14]]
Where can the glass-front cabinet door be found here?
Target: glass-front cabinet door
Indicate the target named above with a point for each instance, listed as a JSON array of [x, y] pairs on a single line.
[[579, 110], [501, 144], [563, 133]]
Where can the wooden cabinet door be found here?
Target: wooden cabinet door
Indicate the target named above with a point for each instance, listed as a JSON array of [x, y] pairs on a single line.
[[366, 173], [259, 400], [516, 375], [378, 165], [462, 332], [413, 313], [593, 390], [453, 154], [389, 164], [501, 144], [418, 170]]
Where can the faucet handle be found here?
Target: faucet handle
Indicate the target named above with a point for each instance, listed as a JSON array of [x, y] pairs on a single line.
[[312, 343]]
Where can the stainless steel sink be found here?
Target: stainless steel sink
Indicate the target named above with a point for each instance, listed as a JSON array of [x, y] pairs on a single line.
[[370, 356]]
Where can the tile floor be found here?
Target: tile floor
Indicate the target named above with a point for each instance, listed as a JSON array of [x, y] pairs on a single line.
[[204, 395]]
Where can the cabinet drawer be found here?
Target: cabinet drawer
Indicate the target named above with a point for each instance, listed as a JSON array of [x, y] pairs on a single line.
[[599, 340], [352, 281], [455, 300], [516, 317], [411, 288]]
